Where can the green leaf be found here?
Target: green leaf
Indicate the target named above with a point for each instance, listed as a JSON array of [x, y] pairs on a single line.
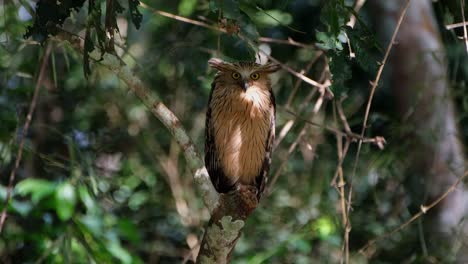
[[448, 17], [50, 14], [334, 15], [186, 7], [231, 9], [273, 18], [365, 46], [214, 6], [328, 42], [93, 223], [135, 14], [341, 71], [65, 200], [87, 200], [128, 230], [119, 252], [37, 188], [94, 23], [9, 124], [137, 199], [324, 227], [303, 245], [22, 208], [3, 190]]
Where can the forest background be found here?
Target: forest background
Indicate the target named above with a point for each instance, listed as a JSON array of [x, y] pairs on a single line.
[[372, 114]]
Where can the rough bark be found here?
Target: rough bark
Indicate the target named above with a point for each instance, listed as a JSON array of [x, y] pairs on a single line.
[[420, 86], [160, 111], [228, 211], [225, 225]]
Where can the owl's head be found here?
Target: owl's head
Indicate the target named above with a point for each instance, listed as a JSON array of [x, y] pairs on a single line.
[[244, 74]]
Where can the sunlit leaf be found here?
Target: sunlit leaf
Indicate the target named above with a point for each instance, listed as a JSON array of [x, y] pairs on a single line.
[[86, 199], [328, 42], [37, 188], [137, 199], [273, 18], [186, 7], [65, 200], [22, 208], [324, 227], [119, 252], [128, 230]]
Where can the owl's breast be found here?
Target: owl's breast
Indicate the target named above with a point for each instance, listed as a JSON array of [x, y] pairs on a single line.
[[241, 128]]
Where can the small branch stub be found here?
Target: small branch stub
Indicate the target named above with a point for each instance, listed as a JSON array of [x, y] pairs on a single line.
[[225, 225]]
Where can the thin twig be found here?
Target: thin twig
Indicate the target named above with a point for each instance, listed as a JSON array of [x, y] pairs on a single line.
[[183, 19], [352, 21], [306, 79], [289, 41], [339, 107], [160, 111], [353, 136], [350, 136], [170, 170], [342, 152], [320, 86], [423, 210], [285, 158], [371, 96], [357, 6], [299, 81], [351, 52], [290, 123], [23, 133], [456, 25], [369, 102], [465, 34]]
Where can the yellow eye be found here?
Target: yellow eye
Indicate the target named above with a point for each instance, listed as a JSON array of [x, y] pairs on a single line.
[[254, 76], [235, 75]]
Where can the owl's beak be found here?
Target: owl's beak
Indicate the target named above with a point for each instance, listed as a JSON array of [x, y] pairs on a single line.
[[244, 84]]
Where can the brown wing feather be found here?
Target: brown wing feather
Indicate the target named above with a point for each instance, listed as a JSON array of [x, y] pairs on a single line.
[[262, 178], [221, 183]]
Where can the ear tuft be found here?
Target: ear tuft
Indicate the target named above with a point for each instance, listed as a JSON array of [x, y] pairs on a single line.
[[271, 67], [217, 63]]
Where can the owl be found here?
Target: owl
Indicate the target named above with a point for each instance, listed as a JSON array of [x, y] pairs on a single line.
[[240, 125]]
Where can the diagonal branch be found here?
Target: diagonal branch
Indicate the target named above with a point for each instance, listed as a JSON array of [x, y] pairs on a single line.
[[160, 111], [423, 210], [23, 134], [228, 211], [377, 79], [371, 96]]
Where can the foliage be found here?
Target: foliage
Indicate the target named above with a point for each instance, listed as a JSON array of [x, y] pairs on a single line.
[[102, 181]]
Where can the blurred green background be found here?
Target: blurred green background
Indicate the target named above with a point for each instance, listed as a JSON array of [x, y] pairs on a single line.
[[103, 181]]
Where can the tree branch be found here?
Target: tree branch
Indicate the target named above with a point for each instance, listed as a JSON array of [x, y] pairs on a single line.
[[23, 134], [160, 111], [228, 211], [423, 210]]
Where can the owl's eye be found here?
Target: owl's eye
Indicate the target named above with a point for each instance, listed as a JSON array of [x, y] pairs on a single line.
[[254, 76], [235, 75]]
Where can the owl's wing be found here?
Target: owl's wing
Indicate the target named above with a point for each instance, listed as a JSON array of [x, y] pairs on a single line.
[[221, 183], [262, 178]]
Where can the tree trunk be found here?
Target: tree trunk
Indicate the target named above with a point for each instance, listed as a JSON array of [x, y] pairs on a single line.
[[420, 86], [225, 225]]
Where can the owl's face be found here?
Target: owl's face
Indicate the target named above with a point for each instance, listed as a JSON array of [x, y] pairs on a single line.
[[244, 74]]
